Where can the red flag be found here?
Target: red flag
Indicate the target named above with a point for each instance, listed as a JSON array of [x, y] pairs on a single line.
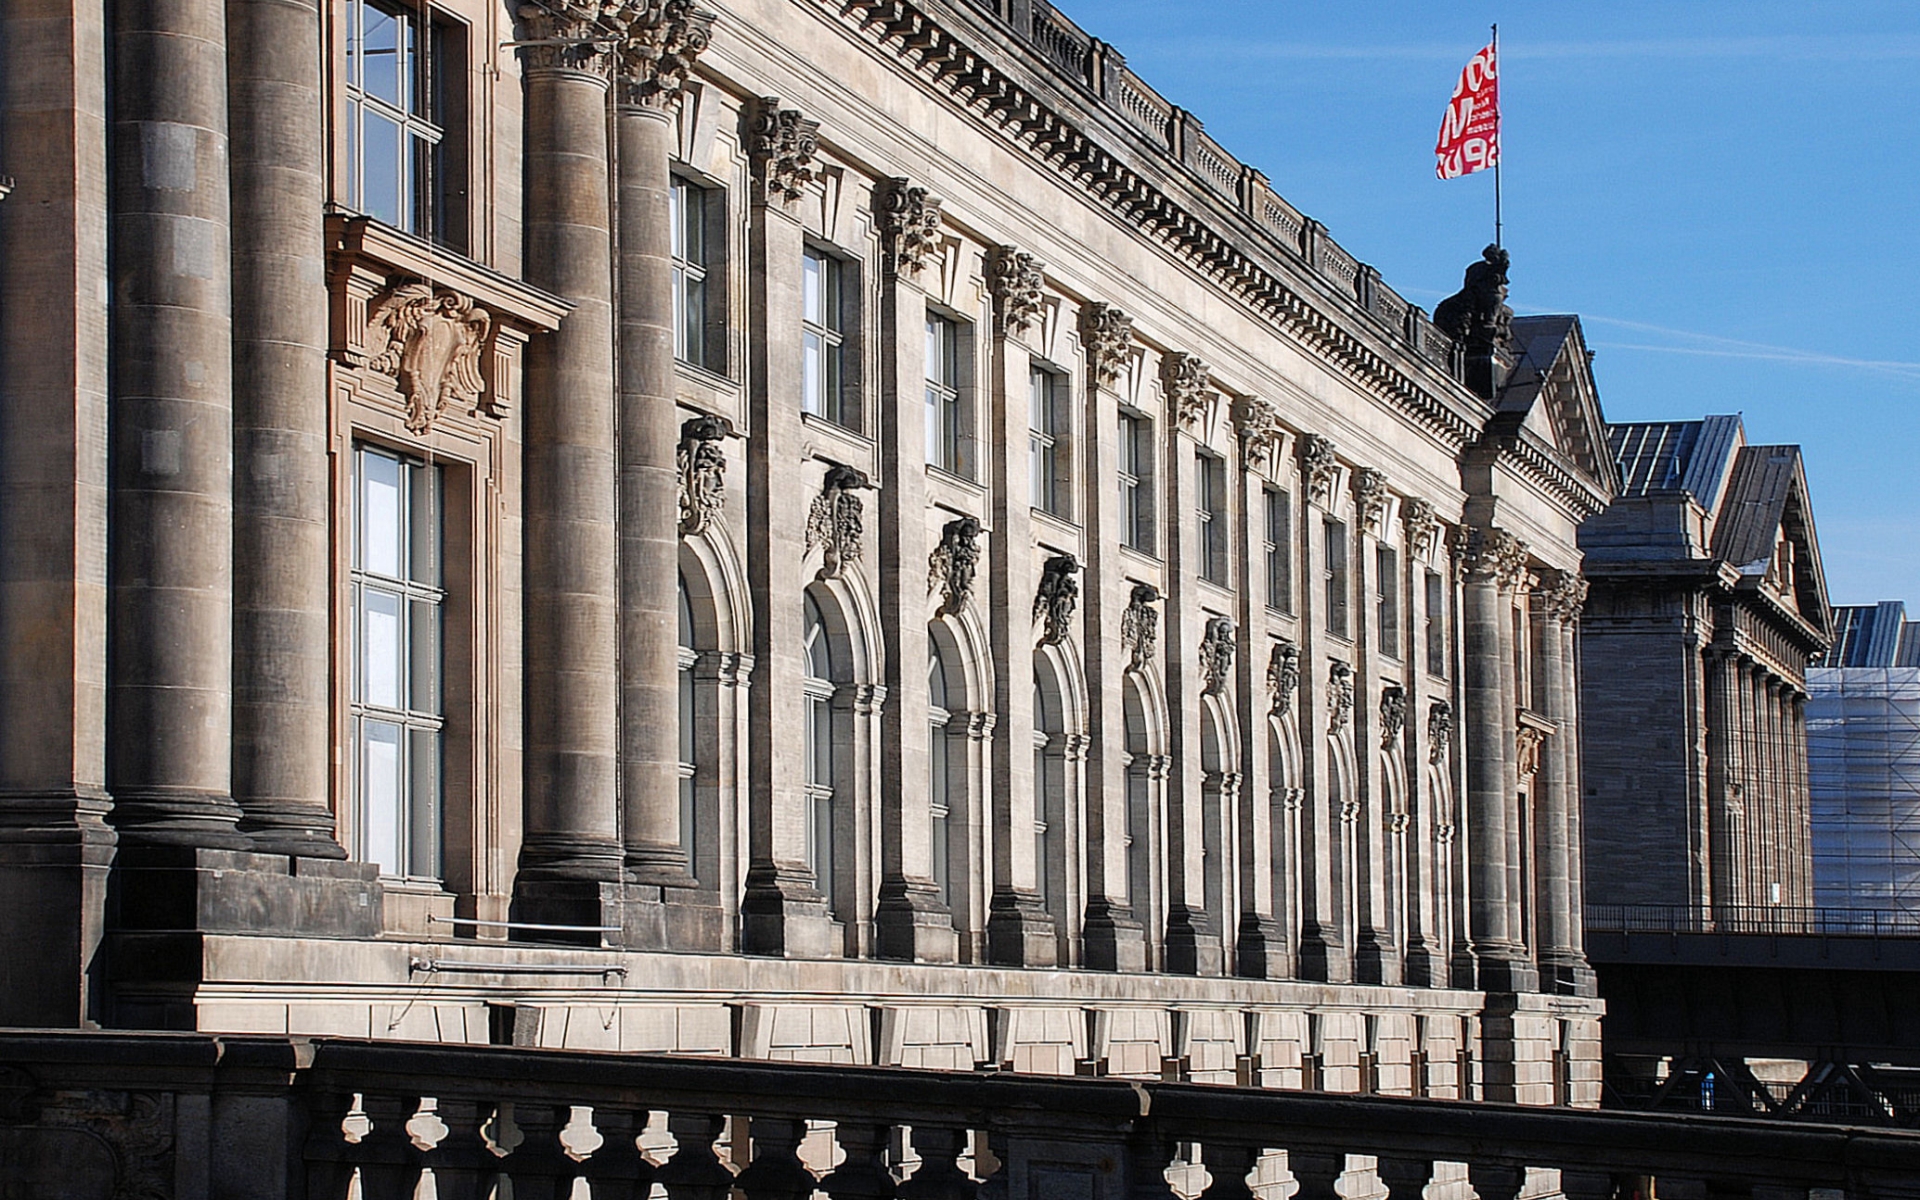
[[1470, 134]]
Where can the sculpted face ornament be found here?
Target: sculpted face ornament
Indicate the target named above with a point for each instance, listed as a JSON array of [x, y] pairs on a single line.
[[1283, 676], [430, 341], [1140, 627], [1216, 656], [834, 523], [703, 472], [951, 566], [1058, 595]]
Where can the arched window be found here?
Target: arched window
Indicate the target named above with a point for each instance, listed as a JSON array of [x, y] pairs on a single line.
[[689, 746], [1045, 789], [1140, 855], [1213, 853], [818, 688], [940, 787]]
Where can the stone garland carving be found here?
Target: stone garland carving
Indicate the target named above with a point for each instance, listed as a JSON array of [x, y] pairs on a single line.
[[1106, 333], [1370, 497], [430, 341], [1422, 525], [1216, 655], [1393, 714], [703, 472], [1283, 676], [1439, 731], [834, 523], [1184, 377], [781, 144], [1260, 434], [1526, 748], [1564, 594], [1016, 280], [1495, 552], [951, 566], [1477, 315], [1318, 464], [1058, 595], [1140, 627], [909, 221], [1339, 696], [663, 38]]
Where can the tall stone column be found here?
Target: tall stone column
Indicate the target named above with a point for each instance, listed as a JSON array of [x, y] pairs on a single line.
[[1722, 670], [1562, 968], [282, 565], [54, 842], [1374, 958], [571, 861], [651, 67], [1324, 951], [1584, 982], [171, 636], [1260, 943], [1494, 560]]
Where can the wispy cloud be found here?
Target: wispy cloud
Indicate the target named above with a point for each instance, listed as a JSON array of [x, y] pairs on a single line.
[[1899, 370], [1812, 48]]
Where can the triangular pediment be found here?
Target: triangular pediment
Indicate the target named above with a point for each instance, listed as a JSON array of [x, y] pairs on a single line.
[[1552, 389]]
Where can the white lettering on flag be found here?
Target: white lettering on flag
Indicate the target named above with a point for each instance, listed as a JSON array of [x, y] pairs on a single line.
[[1470, 132]]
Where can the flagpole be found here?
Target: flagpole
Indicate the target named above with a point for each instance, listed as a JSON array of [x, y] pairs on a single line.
[[1499, 149]]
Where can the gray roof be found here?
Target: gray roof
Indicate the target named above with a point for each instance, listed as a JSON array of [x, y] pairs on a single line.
[[1757, 495], [1873, 635], [1674, 456]]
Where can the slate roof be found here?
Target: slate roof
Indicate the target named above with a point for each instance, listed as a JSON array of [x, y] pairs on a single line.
[[1749, 525], [1674, 456]]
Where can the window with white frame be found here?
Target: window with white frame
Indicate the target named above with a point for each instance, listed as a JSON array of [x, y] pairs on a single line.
[[398, 602], [1278, 538], [823, 374], [689, 734], [1136, 481], [820, 773], [1210, 495], [1334, 575], [402, 110], [946, 431], [687, 218], [1048, 429], [940, 789], [1386, 599]]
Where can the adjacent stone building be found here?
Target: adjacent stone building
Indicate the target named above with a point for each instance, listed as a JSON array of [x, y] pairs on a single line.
[[844, 531], [1707, 603]]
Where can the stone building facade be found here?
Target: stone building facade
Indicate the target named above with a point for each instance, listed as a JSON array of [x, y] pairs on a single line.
[[1707, 605], [813, 530]]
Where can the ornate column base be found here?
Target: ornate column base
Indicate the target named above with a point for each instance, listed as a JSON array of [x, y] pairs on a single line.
[[54, 855], [291, 828], [1193, 945], [1374, 961], [911, 924], [1260, 952], [1020, 931], [1321, 958], [1113, 940], [176, 817], [782, 913]]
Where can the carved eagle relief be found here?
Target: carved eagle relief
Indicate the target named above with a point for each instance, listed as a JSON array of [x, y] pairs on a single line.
[[430, 342]]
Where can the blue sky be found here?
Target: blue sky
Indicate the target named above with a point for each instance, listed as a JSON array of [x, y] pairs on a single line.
[[1728, 194]]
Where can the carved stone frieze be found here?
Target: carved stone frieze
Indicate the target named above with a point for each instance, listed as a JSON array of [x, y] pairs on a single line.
[[1393, 714], [953, 563], [1216, 655], [1564, 594], [909, 222], [835, 521], [703, 472], [1439, 731], [1106, 334], [1260, 434], [781, 144], [1056, 598], [1339, 696], [1140, 627], [1491, 551], [1283, 677], [1184, 377], [1370, 498], [663, 38], [1319, 466], [1017, 282], [430, 341], [1422, 525]]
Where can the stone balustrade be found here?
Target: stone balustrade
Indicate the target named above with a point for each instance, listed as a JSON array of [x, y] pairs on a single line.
[[99, 1114]]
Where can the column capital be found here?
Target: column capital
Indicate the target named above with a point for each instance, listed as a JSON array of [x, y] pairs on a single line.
[[1491, 552], [1016, 280], [1319, 467], [1370, 498], [1562, 595], [1106, 334], [1184, 378], [661, 39], [781, 143], [909, 220]]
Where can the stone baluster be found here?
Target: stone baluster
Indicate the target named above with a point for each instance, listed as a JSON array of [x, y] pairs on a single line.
[[939, 1176], [1318, 1173], [994, 1185], [862, 1174], [617, 1171], [463, 1167], [1404, 1178], [776, 1172], [329, 1155], [694, 1172], [572, 855], [389, 1164], [651, 65], [1229, 1164], [539, 1166], [282, 558], [1496, 1180]]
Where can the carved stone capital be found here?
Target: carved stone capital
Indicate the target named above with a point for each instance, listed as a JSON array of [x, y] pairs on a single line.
[[1318, 466], [1563, 594], [1339, 695], [568, 35], [1106, 334], [702, 460], [1261, 436], [1216, 655], [1017, 282], [1283, 677], [781, 144], [1495, 553], [835, 522], [1370, 498], [1056, 598], [663, 38], [430, 340], [1422, 525], [1140, 627], [1184, 377], [909, 223], [951, 566]]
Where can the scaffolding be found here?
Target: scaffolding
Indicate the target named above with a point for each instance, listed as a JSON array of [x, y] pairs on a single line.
[[1863, 762]]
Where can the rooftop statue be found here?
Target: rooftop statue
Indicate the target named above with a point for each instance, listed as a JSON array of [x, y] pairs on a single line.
[[1477, 315]]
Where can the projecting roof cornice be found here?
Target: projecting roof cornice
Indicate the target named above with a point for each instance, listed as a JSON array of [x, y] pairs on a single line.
[[1069, 101]]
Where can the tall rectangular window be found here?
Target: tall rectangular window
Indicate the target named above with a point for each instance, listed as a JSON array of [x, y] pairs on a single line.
[[1436, 624], [1136, 481], [403, 167], [687, 215], [944, 426], [397, 713], [1386, 591], [823, 340], [1279, 550], [1334, 574], [1210, 493], [1047, 434]]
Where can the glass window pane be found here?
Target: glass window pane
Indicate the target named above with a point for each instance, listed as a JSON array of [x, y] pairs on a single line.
[[380, 791], [423, 512], [933, 425], [811, 306], [423, 804], [381, 48], [812, 371], [423, 656], [380, 648], [694, 313], [379, 514], [382, 173]]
